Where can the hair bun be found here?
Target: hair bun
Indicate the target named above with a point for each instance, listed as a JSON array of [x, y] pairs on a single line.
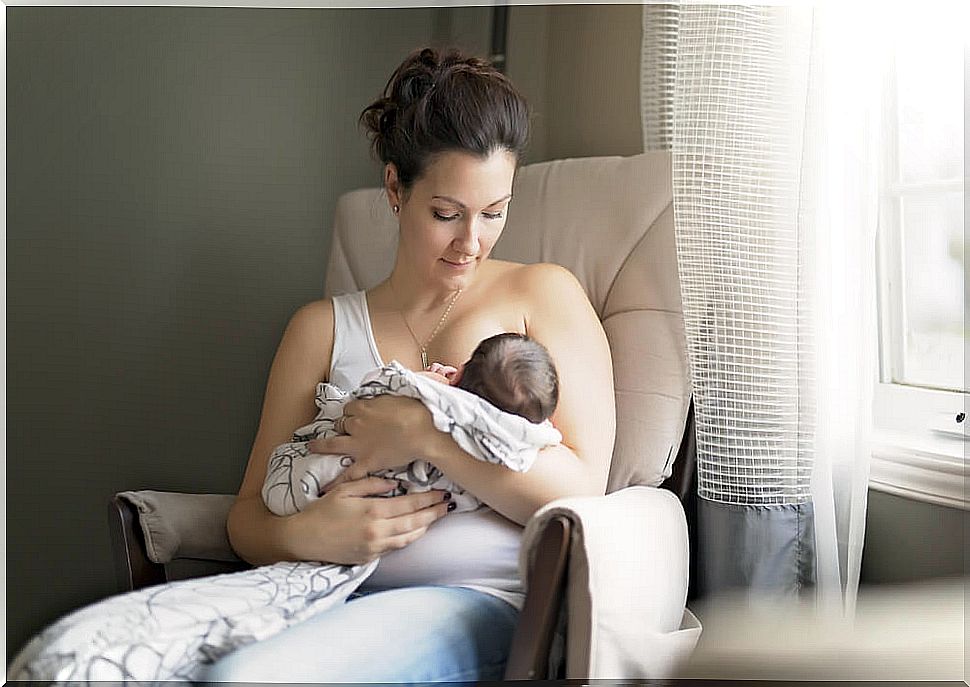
[[388, 115], [429, 58]]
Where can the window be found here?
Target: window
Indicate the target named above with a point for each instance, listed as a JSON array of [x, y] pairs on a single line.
[[920, 408]]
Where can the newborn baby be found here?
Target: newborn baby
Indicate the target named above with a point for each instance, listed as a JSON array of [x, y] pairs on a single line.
[[510, 371]]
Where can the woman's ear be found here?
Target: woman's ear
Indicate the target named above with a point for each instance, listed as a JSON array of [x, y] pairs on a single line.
[[392, 186]]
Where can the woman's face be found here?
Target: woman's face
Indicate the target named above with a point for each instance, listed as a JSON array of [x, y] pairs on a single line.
[[453, 215]]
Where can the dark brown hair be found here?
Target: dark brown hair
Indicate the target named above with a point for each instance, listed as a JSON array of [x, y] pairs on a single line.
[[438, 102], [513, 373]]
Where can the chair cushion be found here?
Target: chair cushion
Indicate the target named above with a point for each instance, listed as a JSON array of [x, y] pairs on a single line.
[[609, 220]]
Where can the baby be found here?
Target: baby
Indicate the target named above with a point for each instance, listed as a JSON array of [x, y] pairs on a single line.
[[511, 371]]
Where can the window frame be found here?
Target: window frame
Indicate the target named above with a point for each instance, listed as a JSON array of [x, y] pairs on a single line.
[[919, 448]]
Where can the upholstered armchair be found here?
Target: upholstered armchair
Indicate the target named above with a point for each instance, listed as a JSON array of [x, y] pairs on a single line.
[[618, 565]]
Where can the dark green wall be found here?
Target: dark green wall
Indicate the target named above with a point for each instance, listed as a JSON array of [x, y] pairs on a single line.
[[171, 179], [172, 174]]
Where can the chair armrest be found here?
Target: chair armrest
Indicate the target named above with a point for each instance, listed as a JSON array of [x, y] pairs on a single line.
[[626, 588], [133, 568], [546, 579], [178, 525]]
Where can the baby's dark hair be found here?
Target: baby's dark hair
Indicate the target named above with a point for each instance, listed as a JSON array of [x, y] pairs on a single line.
[[513, 373], [437, 102]]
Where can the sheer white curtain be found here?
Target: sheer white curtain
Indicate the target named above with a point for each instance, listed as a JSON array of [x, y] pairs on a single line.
[[844, 134], [774, 126]]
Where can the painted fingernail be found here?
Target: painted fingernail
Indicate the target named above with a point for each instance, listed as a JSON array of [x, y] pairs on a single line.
[[452, 506], [447, 496]]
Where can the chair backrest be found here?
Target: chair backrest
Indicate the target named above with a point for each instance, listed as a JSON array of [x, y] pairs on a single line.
[[610, 221]]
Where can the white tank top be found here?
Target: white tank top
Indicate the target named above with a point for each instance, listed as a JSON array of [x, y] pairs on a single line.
[[477, 549]]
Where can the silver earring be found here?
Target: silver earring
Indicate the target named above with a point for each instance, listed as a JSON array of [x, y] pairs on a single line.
[[397, 209]]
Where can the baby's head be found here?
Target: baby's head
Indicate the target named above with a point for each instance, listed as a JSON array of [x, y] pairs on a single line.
[[514, 373]]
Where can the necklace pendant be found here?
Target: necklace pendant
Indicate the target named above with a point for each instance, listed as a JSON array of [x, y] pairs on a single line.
[[424, 359]]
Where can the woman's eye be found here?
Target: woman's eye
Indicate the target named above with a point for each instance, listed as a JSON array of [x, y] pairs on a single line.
[[448, 218]]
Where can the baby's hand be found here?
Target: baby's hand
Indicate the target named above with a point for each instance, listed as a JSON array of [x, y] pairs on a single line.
[[446, 371]]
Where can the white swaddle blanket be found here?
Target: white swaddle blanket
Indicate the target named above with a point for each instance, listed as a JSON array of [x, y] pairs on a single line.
[[294, 476], [174, 630]]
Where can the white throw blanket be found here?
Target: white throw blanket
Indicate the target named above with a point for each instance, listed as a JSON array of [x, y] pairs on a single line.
[[172, 631]]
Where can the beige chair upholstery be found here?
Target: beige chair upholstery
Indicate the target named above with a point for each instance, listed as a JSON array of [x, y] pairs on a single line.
[[610, 221]]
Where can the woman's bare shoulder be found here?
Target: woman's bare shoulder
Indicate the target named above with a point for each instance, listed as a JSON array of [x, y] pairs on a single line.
[[536, 275], [318, 308], [542, 280], [309, 334], [315, 317]]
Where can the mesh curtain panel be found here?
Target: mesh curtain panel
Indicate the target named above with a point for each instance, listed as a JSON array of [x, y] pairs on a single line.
[[658, 72], [726, 91]]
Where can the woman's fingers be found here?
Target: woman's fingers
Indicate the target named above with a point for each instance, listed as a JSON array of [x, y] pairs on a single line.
[[377, 525], [405, 529], [403, 524], [402, 540], [368, 486], [412, 503], [342, 445]]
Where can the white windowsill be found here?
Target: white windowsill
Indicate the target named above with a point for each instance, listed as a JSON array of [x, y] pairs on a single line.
[[932, 473], [919, 452]]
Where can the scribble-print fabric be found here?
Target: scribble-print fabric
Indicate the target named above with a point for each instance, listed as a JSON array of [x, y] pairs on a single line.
[[174, 630]]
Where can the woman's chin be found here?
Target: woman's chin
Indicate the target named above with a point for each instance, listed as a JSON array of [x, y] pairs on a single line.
[[457, 276]]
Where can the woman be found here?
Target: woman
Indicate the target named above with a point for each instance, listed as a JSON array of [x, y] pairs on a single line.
[[442, 605]]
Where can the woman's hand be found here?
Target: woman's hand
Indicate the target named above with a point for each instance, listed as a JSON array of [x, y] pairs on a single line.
[[345, 526], [382, 432]]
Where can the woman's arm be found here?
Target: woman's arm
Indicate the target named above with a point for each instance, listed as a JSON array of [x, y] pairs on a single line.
[[302, 357], [387, 430], [343, 526], [561, 318]]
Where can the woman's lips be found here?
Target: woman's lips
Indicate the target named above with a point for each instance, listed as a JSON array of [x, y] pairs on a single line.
[[458, 265]]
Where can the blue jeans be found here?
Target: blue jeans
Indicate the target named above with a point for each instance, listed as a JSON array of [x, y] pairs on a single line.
[[414, 634]]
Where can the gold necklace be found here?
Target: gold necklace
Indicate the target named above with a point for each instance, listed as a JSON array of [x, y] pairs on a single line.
[[437, 328]]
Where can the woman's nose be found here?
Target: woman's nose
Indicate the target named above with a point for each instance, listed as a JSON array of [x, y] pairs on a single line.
[[467, 240]]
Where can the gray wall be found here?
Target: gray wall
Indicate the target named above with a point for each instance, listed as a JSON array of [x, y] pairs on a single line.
[[908, 540], [580, 67], [172, 173]]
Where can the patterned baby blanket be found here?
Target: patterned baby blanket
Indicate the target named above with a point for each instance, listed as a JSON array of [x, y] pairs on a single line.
[[295, 476], [174, 630]]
